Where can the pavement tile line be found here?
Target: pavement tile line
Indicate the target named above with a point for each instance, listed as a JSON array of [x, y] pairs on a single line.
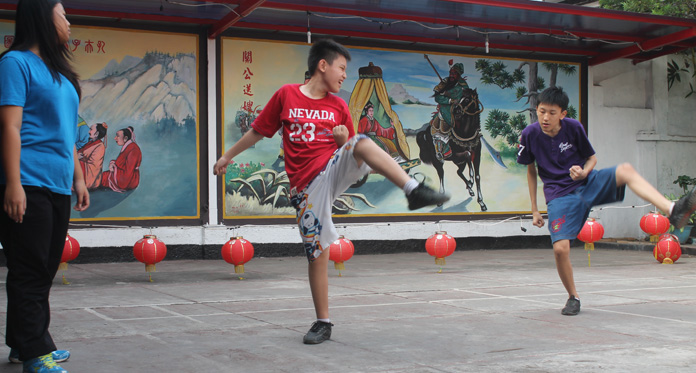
[[375, 305], [176, 314], [495, 311]]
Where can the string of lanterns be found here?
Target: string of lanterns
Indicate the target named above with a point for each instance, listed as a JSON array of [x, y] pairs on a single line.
[[149, 250]]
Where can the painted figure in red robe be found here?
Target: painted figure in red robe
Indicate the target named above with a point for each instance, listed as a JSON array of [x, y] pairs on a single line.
[[124, 171], [91, 155]]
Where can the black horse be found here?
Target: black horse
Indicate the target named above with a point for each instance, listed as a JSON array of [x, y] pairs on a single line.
[[464, 141]]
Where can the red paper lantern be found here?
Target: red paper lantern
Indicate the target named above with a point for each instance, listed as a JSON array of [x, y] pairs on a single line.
[[340, 251], [667, 236], [150, 251], [592, 231], [440, 245], [654, 224], [71, 250], [667, 250], [237, 251]]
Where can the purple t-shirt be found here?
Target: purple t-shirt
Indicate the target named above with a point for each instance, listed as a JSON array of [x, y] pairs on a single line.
[[555, 156]]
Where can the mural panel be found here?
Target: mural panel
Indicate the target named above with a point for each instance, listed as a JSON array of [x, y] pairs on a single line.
[[138, 122], [461, 134]]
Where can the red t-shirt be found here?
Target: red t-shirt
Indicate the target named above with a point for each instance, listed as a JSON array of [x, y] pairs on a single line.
[[307, 125]]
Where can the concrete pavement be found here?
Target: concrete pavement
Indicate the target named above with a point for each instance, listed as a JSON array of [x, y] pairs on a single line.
[[487, 311]]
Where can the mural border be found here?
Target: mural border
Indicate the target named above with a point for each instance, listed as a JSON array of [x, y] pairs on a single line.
[[377, 45]]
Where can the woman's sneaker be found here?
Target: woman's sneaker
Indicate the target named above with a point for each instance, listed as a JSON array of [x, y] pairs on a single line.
[[319, 332], [59, 356], [42, 364]]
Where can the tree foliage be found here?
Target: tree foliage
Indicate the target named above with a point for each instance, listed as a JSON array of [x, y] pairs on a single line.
[[673, 8], [526, 85]]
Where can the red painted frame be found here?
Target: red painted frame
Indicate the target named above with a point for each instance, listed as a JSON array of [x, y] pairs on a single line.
[[678, 40]]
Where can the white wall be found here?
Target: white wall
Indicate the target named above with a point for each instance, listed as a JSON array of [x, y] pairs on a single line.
[[634, 118]]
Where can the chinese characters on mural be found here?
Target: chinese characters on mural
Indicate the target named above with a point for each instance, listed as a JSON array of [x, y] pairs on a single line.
[[248, 112], [88, 47]]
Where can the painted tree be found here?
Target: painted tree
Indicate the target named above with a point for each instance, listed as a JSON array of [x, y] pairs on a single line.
[[527, 86], [674, 8]]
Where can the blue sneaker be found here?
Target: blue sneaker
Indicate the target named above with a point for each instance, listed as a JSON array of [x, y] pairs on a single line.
[[42, 364], [59, 356]]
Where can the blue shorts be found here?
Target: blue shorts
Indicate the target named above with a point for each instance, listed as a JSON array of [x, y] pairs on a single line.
[[314, 204], [567, 214]]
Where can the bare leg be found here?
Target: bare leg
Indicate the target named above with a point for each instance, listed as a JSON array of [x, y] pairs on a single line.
[[319, 284], [561, 250], [627, 175], [367, 151]]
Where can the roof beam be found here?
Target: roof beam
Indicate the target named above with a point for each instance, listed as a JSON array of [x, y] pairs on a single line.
[[581, 11], [651, 56], [647, 45], [417, 39], [467, 23], [125, 15], [244, 9]]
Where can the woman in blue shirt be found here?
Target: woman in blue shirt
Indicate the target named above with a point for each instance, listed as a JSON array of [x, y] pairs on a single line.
[[39, 97]]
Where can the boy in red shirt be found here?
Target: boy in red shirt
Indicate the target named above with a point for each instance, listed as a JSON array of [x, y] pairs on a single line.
[[323, 158]]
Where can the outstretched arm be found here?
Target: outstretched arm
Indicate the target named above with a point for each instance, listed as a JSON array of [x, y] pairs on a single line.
[[248, 140], [537, 220]]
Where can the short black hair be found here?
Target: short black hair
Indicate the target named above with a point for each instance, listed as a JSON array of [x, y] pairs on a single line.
[[553, 96], [325, 49]]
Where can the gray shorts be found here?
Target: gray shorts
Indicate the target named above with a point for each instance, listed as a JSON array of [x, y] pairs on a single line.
[[315, 202]]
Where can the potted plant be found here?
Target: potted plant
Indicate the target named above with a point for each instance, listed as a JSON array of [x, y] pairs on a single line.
[[683, 234]]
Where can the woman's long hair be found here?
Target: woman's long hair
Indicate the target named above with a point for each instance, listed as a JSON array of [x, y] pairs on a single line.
[[34, 26]]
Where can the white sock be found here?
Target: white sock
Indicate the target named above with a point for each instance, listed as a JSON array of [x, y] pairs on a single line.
[[410, 186], [671, 208], [328, 321]]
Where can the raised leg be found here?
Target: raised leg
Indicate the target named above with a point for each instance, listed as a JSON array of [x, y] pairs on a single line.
[[627, 175]]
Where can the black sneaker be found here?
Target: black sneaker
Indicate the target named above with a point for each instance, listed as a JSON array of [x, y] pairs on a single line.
[[682, 209], [572, 307], [424, 196], [319, 332]]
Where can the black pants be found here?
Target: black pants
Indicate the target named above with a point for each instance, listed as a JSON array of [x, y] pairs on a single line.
[[33, 250]]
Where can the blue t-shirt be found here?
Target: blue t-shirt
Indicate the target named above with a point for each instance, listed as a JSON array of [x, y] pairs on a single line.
[[49, 120], [555, 156]]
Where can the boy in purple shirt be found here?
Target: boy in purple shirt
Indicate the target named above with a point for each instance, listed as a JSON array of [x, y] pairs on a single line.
[[566, 160]]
